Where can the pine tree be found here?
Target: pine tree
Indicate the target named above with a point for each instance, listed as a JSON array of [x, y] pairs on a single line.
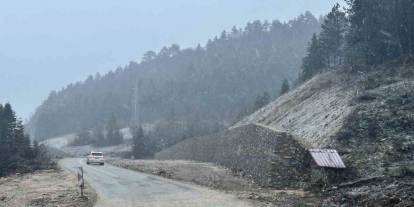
[[138, 142], [332, 37], [16, 154], [403, 25], [364, 37], [285, 87], [380, 30], [8, 139], [36, 148], [313, 62], [20, 139], [113, 134], [10, 125], [3, 147], [82, 138], [98, 137], [28, 153], [149, 56], [262, 101]]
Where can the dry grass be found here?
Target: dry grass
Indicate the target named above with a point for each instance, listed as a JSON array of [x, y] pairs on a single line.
[[44, 188]]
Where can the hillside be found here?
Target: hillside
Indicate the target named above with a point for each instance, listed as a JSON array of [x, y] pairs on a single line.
[[211, 84], [367, 115], [312, 112]]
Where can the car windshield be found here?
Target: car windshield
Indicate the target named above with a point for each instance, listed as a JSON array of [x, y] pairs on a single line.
[[97, 154]]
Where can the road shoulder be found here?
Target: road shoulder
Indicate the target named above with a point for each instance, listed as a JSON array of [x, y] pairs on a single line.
[[52, 187]]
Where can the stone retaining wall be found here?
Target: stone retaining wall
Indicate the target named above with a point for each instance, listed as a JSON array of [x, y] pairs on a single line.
[[271, 158]]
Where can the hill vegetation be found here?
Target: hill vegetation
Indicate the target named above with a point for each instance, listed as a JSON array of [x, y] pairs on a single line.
[[367, 33], [214, 83]]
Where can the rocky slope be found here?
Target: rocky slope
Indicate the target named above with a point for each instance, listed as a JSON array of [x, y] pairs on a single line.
[[312, 112]]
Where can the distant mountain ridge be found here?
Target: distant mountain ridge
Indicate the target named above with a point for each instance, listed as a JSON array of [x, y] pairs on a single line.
[[212, 83]]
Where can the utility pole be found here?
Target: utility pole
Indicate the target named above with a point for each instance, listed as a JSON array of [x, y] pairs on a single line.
[[135, 101]]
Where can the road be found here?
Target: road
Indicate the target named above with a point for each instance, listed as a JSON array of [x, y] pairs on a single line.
[[125, 188]]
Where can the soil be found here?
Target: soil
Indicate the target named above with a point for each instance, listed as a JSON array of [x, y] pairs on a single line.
[[47, 188]]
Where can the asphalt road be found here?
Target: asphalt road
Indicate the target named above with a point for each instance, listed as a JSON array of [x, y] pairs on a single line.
[[125, 188]]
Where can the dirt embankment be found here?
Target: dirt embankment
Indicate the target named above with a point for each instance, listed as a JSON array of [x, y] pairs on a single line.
[[48, 188], [217, 177]]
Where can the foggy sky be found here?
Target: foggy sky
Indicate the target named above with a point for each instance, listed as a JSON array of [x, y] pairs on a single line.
[[47, 44]]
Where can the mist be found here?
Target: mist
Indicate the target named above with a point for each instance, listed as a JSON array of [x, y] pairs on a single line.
[[68, 40]]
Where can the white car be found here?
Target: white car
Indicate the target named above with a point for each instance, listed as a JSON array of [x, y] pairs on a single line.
[[95, 158]]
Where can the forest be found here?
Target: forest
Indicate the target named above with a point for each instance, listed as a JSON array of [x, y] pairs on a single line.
[[201, 88], [367, 33], [197, 91], [17, 153]]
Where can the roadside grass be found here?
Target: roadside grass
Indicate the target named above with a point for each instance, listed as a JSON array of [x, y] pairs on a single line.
[[53, 187]]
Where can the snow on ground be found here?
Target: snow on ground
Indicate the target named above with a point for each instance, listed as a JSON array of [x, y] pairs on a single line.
[[59, 142], [312, 112], [81, 151], [126, 133], [62, 142]]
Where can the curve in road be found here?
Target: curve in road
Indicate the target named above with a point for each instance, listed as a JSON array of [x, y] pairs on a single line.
[[125, 188]]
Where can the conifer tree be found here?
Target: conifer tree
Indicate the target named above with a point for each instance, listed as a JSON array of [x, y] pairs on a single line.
[[332, 37], [3, 147], [98, 137], [36, 148], [16, 153], [313, 62], [262, 101], [285, 87], [138, 143], [380, 30], [113, 134], [20, 139]]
